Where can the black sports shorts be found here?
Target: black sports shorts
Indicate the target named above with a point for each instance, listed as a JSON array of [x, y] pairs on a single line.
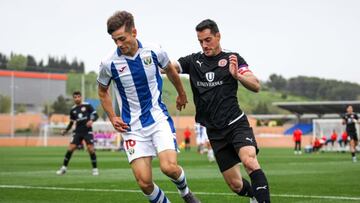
[[78, 137], [353, 135], [227, 142]]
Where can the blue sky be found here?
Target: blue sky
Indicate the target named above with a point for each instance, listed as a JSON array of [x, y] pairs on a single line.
[[287, 37]]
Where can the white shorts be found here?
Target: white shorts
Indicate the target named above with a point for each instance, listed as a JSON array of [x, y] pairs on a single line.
[[150, 140]]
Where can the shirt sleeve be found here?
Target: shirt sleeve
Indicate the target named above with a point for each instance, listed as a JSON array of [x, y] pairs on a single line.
[[105, 76], [243, 67], [184, 64], [162, 57]]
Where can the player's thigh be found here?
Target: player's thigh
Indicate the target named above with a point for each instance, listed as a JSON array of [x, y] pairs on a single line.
[[141, 168], [225, 154], [76, 139], [163, 138], [89, 138]]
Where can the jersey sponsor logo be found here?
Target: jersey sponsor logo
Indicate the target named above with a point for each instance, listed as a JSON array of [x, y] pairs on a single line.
[[122, 69], [210, 76], [80, 115], [198, 62], [147, 60], [209, 84], [83, 109], [222, 63]]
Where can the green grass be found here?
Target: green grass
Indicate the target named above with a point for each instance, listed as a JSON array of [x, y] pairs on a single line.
[[306, 178]]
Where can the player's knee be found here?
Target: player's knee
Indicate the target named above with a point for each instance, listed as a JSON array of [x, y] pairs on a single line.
[[169, 169], [235, 185], [250, 163], [146, 186]]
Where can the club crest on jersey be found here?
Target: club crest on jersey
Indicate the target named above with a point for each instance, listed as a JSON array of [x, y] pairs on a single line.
[[83, 109], [147, 60], [222, 63], [210, 76], [131, 150]]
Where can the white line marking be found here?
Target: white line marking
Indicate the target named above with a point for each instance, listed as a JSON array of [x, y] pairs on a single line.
[[171, 192]]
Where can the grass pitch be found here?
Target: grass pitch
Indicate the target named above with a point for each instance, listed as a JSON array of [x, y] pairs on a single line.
[[27, 174]]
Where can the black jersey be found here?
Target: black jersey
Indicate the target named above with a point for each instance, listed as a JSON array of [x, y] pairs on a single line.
[[82, 114], [350, 120], [213, 87]]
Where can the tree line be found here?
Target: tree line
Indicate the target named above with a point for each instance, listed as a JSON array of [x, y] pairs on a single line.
[[29, 63], [314, 88]]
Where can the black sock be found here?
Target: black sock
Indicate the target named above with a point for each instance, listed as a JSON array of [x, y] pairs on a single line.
[[246, 190], [260, 186], [352, 154], [93, 160], [67, 158]]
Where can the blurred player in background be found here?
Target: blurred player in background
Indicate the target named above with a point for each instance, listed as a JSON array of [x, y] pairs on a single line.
[[297, 139], [214, 76], [350, 119], [83, 114], [145, 123], [187, 136]]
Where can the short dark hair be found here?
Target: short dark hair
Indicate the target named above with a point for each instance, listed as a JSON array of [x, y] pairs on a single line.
[[119, 19], [76, 93], [207, 24]]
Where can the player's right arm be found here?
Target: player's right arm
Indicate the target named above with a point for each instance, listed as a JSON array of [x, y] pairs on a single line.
[[105, 99], [67, 128]]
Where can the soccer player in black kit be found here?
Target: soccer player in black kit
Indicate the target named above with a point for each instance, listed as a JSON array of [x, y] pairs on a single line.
[[84, 115], [214, 75], [350, 119]]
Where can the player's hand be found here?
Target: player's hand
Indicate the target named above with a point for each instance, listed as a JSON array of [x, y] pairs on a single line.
[[119, 124], [233, 66], [89, 123], [63, 132], [181, 101]]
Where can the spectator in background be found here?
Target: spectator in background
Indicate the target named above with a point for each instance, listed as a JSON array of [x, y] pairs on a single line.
[[317, 144], [333, 138], [343, 141], [187, 135], [297, 139]]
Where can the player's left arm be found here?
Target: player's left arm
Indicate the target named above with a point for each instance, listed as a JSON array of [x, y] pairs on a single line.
[[243, 74], [174, 78]]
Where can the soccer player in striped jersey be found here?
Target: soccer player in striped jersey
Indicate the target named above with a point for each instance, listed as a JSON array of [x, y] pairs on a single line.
[[146, 126]]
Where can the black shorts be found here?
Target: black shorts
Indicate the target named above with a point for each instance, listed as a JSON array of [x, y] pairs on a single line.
[[78, 137], [227, 142], [353, 135], [187, 140]]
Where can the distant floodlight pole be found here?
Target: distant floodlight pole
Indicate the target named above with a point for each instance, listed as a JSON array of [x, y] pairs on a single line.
[[12, 106]]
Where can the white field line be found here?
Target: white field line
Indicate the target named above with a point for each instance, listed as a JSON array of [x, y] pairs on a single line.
[[172, 192]]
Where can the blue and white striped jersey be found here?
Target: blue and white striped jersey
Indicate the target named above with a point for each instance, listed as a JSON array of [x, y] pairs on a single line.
[[138, 84]]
